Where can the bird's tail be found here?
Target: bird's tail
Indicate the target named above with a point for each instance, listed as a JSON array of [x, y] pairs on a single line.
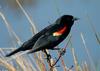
[[13, 52]]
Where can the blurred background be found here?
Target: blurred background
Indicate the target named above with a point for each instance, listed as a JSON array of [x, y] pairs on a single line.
[[21, 19]]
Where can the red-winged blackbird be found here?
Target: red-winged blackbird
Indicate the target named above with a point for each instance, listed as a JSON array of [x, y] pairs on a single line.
[[50, 36]]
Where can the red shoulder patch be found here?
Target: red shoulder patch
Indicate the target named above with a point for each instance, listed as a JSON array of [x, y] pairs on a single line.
[[60, 32]]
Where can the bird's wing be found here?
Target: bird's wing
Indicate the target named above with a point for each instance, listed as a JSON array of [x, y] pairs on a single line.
[[43, 42], [30, 43]]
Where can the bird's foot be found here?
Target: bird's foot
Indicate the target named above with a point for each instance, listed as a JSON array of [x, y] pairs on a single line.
[[48, 57]]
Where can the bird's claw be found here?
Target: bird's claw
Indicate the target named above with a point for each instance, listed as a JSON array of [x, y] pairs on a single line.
[[48, 57]]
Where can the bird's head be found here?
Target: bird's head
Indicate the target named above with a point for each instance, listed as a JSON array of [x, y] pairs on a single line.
[[65, 22], [67, 19]]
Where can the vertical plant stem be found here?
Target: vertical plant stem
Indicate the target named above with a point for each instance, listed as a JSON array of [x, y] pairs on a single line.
[[29, 19], [63, 64], [33, 27], [93, 29], [51, 63], [75, 60], [8, 66], [87, 51]]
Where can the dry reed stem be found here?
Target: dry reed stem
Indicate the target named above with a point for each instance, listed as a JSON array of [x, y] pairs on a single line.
[[51, 63], [83, 68], [30, 59], [75, 60], [19, 61], [86, 66], [93, 29], [39, 63], [87, 51], [74, 57], [42, 61], [26, 63], [8, 66], [31, 23], [63, 64], [65, 68], [10, 30], [29, 19]]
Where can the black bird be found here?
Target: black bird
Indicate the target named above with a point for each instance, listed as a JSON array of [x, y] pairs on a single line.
[[49, 37]]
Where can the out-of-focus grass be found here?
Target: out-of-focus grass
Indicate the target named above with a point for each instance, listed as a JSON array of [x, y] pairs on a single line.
[[93, 29]]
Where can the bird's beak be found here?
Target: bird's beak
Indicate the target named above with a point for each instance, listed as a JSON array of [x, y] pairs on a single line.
[[75, 19]]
